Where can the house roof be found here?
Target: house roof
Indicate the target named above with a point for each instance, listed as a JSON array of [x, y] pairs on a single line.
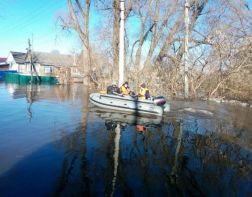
[[53, 59], [18, 57]]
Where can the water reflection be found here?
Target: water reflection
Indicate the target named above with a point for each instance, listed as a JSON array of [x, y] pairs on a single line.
[[31, 93], [81, 150], [116, 157], [113, 118], [38, 92], [35, 92]]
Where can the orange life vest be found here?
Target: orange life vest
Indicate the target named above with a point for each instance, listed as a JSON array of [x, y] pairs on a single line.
[[140, 128]]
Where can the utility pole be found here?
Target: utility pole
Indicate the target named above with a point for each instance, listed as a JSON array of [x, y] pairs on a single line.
[[32, 66], [121, 44], [186, 86], [30, 58], [121, 80]]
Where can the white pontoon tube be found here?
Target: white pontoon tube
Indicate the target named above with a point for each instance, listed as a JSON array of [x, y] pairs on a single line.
[[156, 106]]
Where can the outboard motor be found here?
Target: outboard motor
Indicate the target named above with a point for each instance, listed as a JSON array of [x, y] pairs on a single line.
[[112, 89], [159, 100], [166, 107]]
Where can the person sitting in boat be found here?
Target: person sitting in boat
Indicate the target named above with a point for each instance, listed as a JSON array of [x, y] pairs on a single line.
[[125, 90], [144, 93], [113, 89]]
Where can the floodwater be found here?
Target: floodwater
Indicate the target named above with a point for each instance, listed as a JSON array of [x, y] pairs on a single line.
[[53, 143]]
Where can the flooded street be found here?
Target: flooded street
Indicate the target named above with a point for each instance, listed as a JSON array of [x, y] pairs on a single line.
[[52, 143]]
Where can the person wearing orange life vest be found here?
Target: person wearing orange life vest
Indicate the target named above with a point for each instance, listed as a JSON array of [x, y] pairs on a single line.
[[125, 90], [140, 128], [144, 93]]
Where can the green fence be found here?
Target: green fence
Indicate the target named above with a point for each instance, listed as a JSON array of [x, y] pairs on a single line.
[[26, 79]]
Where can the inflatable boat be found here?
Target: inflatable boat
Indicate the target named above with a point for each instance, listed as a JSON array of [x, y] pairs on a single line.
[[154, 106]]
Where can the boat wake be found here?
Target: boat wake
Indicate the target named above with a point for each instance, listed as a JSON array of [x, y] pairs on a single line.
[[198, 111]]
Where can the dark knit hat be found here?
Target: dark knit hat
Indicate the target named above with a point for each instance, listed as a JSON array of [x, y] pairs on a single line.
[[143, 85]]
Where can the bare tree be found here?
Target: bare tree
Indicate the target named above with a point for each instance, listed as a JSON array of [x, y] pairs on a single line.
[[219, 44], [78, 20], [113, 8], [115, 41]]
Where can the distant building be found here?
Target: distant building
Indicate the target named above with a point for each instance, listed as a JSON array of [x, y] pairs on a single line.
[[15, 60], [51, 64], [3, 64], [46, 65]]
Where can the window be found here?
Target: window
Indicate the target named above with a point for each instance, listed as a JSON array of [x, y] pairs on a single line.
[[48, 69]]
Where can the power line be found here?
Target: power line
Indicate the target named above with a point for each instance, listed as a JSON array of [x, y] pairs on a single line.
[[33, 17], [29, 14]]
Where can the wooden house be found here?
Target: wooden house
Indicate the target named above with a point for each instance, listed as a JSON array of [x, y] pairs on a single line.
[[47, 65]]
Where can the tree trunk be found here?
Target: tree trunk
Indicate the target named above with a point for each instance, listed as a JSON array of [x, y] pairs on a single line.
[[81, 26], [115, 39], [143, 35], [158, 31], [169, 39], [87, 45]]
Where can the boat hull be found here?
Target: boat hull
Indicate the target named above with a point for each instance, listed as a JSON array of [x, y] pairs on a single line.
[[126, 104]]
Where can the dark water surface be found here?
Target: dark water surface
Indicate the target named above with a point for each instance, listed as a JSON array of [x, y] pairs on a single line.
[[53, 144]]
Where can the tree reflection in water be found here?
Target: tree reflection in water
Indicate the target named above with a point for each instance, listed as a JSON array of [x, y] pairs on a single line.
[[83, 166], [75, 158], [176, 161], [31, 93], [172, 158]]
